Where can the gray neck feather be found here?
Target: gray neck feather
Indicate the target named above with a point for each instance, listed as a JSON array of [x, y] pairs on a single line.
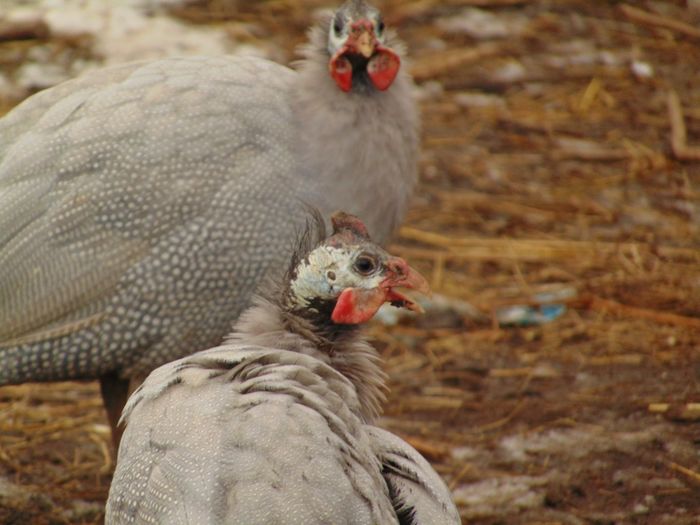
[[268, 325]]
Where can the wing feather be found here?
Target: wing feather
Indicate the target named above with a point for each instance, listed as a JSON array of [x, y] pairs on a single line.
[[420, 496], [96, 172]]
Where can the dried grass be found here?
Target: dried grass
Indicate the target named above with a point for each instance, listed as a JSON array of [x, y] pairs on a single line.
[[580, 177]]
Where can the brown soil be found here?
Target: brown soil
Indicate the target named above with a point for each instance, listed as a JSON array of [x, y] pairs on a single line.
[[561, 155]]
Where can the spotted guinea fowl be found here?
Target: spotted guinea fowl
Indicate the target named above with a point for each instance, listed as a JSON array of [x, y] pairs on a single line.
[[140, 205], [276, 425]]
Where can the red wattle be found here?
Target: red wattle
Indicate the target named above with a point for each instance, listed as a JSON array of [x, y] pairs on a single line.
[[341, 71], [355, 306], [383, 68]]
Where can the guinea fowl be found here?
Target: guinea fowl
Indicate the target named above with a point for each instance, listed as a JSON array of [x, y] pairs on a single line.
[[275, 425], [140, 205]]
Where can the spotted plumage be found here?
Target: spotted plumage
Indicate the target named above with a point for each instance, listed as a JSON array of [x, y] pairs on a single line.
[[141, 205], [277, 424]]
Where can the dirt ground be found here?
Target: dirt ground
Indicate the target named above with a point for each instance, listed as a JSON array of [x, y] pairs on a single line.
[[561, 165]]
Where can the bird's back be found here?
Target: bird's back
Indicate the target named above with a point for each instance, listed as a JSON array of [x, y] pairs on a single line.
[[139, 207], [247, 435]]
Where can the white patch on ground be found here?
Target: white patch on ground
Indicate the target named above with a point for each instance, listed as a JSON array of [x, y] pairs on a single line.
[[10, 491], [468, 99], [429, 91], [39, 75], [509, 72], [82, 510], [8, 89], [461, 454], [112, 33], [500, 496], [579, 52], [575, 443], [642, 69], [12, 494], [483, 25], [498, 493]]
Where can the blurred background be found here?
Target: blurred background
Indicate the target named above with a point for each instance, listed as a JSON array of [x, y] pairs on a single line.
[[556, 380]]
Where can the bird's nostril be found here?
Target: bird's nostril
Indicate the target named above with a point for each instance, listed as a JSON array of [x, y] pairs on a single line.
[[398, 266]]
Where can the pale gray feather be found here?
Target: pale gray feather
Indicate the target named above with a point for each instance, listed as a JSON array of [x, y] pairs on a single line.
[[417, 491], [244, 434], [154, 241]]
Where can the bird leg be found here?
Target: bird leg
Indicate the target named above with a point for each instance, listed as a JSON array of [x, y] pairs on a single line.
[[115, 391]]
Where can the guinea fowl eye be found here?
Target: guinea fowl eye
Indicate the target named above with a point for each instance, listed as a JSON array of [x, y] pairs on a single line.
[[337, 26], [365, 264], [380, 27]]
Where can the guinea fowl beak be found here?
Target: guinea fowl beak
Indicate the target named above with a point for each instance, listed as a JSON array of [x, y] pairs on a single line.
[[401, 275], [358, 305], [361, 39], [364, 40], [382, 66]]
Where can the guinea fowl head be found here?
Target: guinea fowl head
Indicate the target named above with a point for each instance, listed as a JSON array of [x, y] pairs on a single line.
[[346, 277], [358, 49], [332, 285]]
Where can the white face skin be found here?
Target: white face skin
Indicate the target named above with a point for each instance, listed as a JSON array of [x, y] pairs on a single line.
[[342, 23], [328, 271]]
